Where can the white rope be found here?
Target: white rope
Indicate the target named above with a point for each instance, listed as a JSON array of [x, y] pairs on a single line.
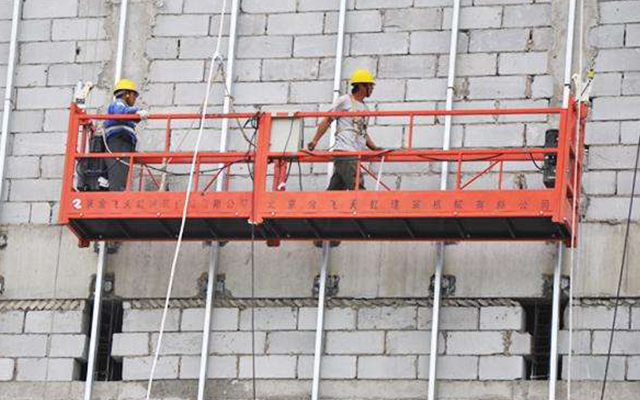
[[215, 57], [379, 174], [576, 192]]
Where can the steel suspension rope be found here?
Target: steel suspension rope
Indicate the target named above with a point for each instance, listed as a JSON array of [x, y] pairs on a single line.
[[215, 57]]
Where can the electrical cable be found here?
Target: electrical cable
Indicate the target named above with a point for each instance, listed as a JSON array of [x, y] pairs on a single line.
[[622, 265], [215, 57]]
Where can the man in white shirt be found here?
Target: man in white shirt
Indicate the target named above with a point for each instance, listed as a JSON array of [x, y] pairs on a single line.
[[351, 133]]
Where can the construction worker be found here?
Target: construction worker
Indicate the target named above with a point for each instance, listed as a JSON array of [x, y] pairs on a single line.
[[351, 133], [121, 134]]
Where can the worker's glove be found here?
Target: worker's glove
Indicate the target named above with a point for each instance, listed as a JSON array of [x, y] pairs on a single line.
[[143, 114]]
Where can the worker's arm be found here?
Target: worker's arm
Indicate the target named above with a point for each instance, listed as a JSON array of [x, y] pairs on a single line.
[[322, 129], [371, 144]]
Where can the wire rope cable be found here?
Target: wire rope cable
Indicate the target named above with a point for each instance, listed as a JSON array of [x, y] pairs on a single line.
[[215, 57]]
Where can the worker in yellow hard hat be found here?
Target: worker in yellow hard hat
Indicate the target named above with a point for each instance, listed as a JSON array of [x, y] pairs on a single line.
[[121, 134], [351, 134]]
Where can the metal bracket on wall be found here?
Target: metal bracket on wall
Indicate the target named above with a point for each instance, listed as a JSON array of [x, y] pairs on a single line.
[[112, 247], [547, 286], [448, 285], [108, 286], [4, 241], [1, 285], [333, 286], [220, 286]]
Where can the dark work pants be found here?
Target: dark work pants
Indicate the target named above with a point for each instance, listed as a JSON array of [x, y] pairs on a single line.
[[118, 169], [344, 175]]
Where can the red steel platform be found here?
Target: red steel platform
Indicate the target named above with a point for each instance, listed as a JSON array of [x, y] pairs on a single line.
[[459, 213]]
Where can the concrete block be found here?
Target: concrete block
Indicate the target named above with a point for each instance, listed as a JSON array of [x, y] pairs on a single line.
[[159, 48], [139, 368], [618, 12], [497, 2], [149, 320], [15, 213], [581, 342], [22, 167], [311, 92], [224, 319], [604, 182], [55, 322], [611, 157], [39, 98], [321, 5], [629, 132], [275, 6], [34, 30], [34, 190], [631, 84], [34, 9], [624, 342], [78, 28], [332, 367], [495, 135], [633, 371], [26, 121], [426, 89], [290, 69], [47, 52], [520, 64], [47, 369], [502, 318], [56, 120], [268, 367], [632, 38], [380, 43], [498, 40], [480, 343], [315, 46], [543, 39], [265, 47], [261, 93], [433, 42], [407, 66], [412, 19], [174, 343], [130, 344], [542, 86], [501, 368], [386, 367], [181, 25], [200, 47], [474, 17], [70, 74], [378, 4], [93, 51], [159, 94], [220, 367], [7, 366], [248, 70], [68, 346], [476, 64], [172, 7], [606, 36], [609, 84], [387, 318], [11, 321], [292, 343], [193, 93], [23, 345], [236, 343], [450, 368], [591, 368], [41, 213], [267, 319], [248, 25], [610, 209], [51, 166], [295, 24], [412, 342], [507, 87], [30, 76], [355, 342], [176, 71], [355, 22], [334, 318], [618, 60], [635, 318], [525, 16]]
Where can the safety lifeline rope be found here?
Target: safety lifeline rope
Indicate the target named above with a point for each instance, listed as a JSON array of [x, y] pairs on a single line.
[[215, 57]]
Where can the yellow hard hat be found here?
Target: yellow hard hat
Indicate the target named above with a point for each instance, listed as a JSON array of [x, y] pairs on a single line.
[[125, 84], [362, 76]]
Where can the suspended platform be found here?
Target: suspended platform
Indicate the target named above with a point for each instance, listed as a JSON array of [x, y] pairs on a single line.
[[148, 210]]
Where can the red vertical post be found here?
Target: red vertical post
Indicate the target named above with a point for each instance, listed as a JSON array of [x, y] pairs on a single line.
[[167, 137], [261, 161], [459, 171], [411, 132], [69, 162], [566, 118]]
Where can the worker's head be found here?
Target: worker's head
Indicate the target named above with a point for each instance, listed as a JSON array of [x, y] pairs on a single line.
[[362, 83], [126, 90]]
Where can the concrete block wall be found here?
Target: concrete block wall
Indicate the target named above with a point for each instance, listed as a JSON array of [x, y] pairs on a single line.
[[592, 333], [360, 343], [42, 345]]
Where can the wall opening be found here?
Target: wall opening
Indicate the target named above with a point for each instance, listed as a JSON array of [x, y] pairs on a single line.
[[107, 367], [538, 324]]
